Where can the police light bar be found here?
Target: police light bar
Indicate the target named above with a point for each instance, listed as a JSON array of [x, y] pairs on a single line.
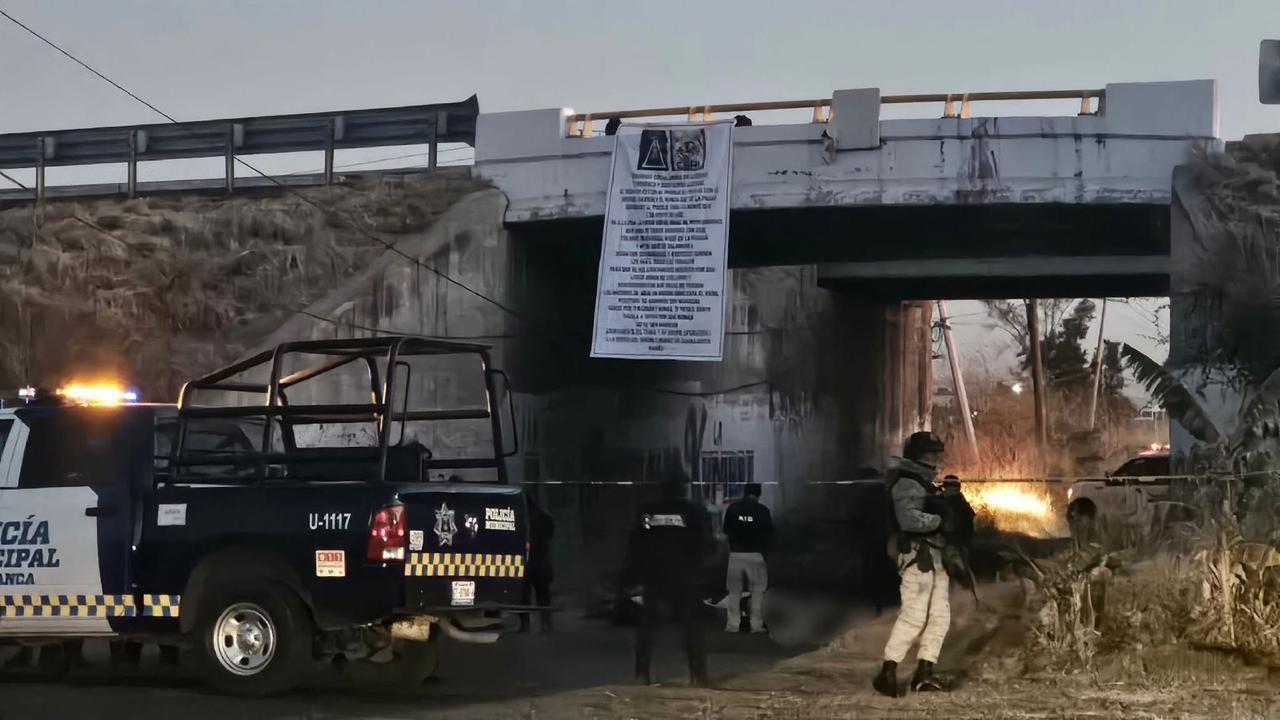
[[106, 395]]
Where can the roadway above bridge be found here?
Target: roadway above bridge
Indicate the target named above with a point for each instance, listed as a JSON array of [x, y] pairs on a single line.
[[1124, 151], [979, 206]]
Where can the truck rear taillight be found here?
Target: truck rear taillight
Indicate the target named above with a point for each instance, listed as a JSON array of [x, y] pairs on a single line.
[[386, 535]]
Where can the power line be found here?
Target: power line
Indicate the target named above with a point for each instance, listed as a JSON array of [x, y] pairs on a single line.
[[300, 310], [370, 235], [658, 390], [75, 216], [289, 190], [11, 179], [389, 246], [1153, 321], [384, 159], [1140, 309], [383, 331], [82, 64], [286, 308]]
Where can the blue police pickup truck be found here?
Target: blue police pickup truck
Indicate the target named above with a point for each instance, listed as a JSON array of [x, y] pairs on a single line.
[[341, 500]]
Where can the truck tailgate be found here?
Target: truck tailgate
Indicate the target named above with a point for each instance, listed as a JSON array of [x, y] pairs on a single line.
[[467, 545]]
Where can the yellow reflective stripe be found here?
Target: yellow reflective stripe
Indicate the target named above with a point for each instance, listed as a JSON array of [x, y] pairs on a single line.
[[161, 605], [66, 605], [441, 564]]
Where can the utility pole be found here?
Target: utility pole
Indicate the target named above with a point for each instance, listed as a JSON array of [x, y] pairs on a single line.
[[961, 396], [1097, 371], [1037, 375]]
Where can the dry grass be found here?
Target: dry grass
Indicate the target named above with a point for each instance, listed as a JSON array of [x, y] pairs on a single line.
[[1157, 582], [1148, 606], [1069, 591], [155, 290], [1238, 605]]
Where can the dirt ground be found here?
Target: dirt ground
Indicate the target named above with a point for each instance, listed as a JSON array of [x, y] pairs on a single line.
[[583, 671]]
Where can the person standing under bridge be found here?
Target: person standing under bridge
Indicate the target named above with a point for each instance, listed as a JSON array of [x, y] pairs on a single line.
[[918, 514], [749, 527], [537, 582], [668, 544]]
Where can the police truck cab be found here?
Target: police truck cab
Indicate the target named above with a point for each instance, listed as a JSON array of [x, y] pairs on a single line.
[[281, 514]]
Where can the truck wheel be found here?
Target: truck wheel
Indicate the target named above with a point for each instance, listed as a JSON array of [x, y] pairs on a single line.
[[254, 641]]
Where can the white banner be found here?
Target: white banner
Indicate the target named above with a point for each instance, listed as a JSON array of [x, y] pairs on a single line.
[[666, 228]]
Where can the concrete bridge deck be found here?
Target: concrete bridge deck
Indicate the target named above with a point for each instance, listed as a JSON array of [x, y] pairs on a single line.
[[1125, 153], [976, 206]]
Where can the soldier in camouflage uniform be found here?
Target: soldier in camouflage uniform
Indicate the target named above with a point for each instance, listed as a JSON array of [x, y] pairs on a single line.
[[920, 516]]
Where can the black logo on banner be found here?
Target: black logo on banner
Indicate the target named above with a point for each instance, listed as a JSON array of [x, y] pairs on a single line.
[[672, 150]]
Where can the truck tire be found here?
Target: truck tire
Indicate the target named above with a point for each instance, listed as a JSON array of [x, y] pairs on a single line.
[[253, 641], [412, 664]]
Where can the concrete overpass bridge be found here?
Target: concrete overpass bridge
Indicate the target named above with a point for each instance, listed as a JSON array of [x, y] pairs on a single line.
[[951, 207], [815, 383]]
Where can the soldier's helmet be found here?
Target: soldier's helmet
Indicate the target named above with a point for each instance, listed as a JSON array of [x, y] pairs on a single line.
[[920, 443]]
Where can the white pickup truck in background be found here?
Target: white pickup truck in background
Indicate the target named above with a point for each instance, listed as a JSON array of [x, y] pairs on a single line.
[[1125, 493]]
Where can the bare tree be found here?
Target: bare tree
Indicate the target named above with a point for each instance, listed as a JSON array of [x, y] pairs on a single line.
[[1010, 317]]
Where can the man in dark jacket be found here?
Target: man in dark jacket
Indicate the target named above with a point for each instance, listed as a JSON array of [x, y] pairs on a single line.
[[537, 584], [925, 615], [668, 544], [959, 526], [963, 518], [877, 572], [749, 527]]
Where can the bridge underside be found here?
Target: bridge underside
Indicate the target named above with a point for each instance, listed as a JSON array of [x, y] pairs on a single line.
[[939, 252]]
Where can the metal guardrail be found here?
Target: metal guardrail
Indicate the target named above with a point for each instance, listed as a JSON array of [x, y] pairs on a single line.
[[581, 124], [325, 131]]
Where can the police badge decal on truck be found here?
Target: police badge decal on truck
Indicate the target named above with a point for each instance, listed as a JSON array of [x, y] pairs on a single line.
[[445, 528]]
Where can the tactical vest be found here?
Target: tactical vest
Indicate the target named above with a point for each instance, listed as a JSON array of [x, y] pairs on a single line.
[[905, 542]]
